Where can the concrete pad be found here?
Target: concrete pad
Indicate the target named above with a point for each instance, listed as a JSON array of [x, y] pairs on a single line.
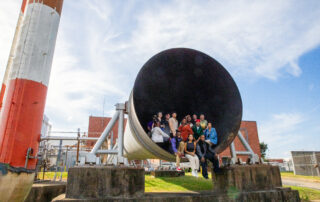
[[207, 196], [247, 178], [104, 181]]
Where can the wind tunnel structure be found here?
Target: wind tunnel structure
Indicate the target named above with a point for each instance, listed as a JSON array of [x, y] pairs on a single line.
[[188, 82]]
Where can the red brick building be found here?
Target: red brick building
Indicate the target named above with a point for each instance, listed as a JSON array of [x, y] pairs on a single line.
[[97, 125], [248, 129]]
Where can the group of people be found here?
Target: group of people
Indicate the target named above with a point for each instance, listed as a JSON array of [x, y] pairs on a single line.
[[193, 138]]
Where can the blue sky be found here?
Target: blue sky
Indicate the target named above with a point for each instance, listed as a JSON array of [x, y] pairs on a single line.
[[271, 48]]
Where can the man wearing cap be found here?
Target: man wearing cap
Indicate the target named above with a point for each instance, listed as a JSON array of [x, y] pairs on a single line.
[[197, 130]]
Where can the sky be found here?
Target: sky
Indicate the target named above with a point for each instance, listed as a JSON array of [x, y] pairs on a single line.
[[271, 49]]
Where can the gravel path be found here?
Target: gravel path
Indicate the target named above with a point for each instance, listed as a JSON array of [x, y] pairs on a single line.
[[300, 183]]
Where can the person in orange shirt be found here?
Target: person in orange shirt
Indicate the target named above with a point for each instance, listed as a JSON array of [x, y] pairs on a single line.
[[185, 129]]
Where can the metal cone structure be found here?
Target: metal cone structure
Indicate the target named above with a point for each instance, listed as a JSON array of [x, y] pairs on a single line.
[[23, 95], [188, 82]]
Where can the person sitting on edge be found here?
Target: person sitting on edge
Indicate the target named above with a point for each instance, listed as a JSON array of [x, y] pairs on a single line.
[[159, 137], [190, 153], [211, 135], [194, 119], [203, 122], [197, 130], [205, 152], [185, 129], [173, 124], [177, 148], [150, 126]]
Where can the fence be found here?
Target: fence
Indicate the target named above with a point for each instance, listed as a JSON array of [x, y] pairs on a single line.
[[306, 163]]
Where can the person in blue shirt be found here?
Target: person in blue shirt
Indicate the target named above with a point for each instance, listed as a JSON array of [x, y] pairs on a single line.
[[211, 135]]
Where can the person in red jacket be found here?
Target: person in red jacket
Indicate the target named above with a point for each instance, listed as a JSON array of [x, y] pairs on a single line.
[[185, 129]]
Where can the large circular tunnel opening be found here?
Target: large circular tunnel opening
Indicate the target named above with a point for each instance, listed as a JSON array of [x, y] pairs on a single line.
[[189, 82]]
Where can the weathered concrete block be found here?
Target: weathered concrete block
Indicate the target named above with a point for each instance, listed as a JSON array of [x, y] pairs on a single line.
[[283, 194], [46, 191], [101, 182], [167, 173], [247, 178]]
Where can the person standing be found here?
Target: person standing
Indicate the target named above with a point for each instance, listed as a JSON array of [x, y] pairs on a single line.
[[197, 130], [205, 152], [165, 123], [190, 153], [194, 119], [211, 135], [173, 124], [203, 122], [189, 120], [177, 148], [185, 129], [160, 119]]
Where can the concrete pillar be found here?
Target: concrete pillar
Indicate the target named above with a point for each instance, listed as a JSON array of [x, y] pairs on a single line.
[[101, 182], [238, 178]]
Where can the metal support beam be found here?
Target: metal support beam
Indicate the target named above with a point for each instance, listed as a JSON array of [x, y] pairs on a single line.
[[110, 151], [68, 138], [233, 153], [254, 157], [105, 132], [120, 109]]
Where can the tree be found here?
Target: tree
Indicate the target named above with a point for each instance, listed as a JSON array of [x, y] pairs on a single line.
[[263, 149]]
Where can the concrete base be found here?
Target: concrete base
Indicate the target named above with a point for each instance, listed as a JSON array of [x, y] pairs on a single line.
[[14, 186], [234, 184], [167, 173], [283, 194], [101, 182], [247, 178], [46, 191]]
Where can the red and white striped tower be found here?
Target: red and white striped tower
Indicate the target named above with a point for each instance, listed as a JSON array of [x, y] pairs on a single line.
[[25, 90]]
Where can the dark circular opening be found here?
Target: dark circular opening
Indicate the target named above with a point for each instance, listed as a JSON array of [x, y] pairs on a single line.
[[189, 82]]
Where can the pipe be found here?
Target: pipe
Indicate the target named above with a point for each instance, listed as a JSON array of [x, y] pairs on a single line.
[[186, 81], [67, 138], [121, 109], [27, 79]]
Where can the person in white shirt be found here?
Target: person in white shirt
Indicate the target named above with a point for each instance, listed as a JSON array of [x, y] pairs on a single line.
[[159, 137]]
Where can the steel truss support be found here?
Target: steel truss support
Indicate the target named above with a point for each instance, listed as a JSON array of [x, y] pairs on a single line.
[[253, 157], [118, 116]]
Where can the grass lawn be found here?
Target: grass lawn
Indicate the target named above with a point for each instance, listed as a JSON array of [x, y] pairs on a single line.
[[50, 176], [189, 183], [309, 178], [307, 194], [176, 184]]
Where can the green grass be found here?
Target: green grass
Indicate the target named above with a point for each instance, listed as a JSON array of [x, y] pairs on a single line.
[[309, 178], [176, 184], [307, 194], [50, 175]]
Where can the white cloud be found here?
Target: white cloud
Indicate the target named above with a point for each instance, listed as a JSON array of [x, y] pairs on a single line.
[[283, 133], [102, 45], [9, 13]]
